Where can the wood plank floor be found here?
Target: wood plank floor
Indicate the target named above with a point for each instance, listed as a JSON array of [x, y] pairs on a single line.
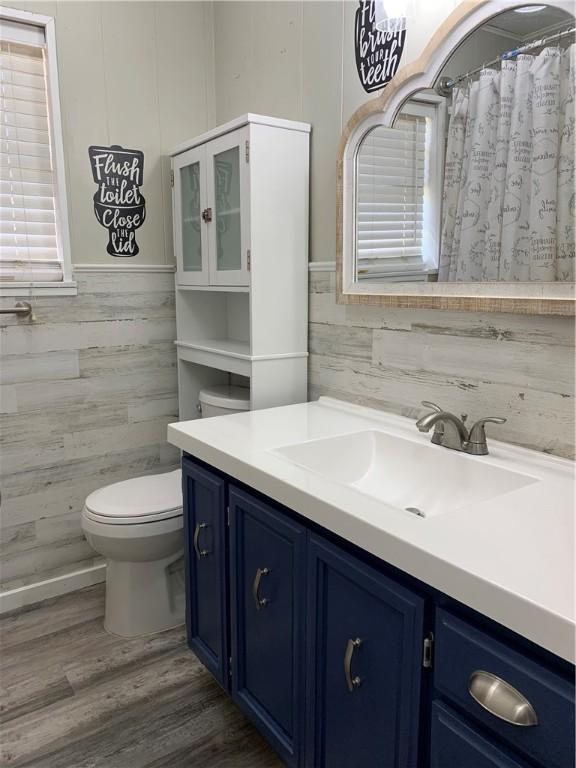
[[72, 696]]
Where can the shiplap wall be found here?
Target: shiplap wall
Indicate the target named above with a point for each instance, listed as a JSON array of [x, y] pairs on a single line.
[[86, 392], [479, 365], [139, 74]]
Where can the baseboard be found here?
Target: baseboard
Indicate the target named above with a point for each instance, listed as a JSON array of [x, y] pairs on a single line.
[[59, 585]]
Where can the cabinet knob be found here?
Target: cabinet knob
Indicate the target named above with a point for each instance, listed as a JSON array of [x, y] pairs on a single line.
[[207, 215], [352, 681], [500, 699]]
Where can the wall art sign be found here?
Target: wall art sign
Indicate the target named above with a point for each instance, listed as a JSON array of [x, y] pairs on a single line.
[[118, 203], [378, 53]]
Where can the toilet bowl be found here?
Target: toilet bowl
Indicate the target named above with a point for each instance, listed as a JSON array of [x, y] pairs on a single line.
[[137, 526]]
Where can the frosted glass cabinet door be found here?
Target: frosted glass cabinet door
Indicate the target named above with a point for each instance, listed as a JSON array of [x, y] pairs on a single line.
[[227, 179], [190, 237]]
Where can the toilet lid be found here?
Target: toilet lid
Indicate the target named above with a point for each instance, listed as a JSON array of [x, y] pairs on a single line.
[[152, 496]]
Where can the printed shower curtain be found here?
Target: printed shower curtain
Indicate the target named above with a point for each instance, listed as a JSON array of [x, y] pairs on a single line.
[[509, 200]]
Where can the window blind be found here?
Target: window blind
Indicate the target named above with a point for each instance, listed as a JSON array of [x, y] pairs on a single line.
[[28, 238], [391, 175]]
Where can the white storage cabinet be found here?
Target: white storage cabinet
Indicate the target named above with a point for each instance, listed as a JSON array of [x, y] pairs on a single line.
[[240, 211]]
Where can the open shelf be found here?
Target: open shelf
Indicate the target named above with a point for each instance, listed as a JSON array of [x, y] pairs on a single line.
[[231, 347], [218, 288], [223, 354], [192, 377], [214, 329]]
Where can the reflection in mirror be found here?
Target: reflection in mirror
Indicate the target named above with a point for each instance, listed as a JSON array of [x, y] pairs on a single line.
[[398, 187], [475, 183]]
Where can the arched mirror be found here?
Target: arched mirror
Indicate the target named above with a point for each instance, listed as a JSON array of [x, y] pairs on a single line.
[[457, 183]]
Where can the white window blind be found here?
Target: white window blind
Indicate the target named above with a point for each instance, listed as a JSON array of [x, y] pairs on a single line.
[[28, 223], [391, 179]]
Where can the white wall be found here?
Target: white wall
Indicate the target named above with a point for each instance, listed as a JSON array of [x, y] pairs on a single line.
[[138, 74], [296, 60]]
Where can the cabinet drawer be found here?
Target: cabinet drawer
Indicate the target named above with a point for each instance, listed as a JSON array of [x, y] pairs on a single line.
[[463, 651], [454, 743]]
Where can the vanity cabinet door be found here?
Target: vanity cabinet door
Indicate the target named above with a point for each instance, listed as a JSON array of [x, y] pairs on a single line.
[[267, 639], [365, 637], [206, 571]]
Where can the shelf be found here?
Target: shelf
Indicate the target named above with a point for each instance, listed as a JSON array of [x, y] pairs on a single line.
[[225, 354], [220, 288], [240, 349]]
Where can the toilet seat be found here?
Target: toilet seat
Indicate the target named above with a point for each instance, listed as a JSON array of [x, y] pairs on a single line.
[[140, 500]]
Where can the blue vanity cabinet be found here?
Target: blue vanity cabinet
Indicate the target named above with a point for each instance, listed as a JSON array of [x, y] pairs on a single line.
[[322, 647], [205, 553], [365, 635], [267, 593], [454, 744]]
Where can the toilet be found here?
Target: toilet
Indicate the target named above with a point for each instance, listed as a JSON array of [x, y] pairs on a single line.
[[137, 525]]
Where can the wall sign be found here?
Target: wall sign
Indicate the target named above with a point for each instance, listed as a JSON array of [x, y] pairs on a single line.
[[378, 53], [118, 204]]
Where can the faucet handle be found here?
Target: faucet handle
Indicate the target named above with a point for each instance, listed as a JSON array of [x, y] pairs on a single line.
[[433, 406], [477, 433]]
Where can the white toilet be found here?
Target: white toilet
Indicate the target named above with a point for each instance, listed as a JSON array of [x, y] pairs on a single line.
[[138, 526]]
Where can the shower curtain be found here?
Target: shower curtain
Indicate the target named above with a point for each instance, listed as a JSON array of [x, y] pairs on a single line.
[[509, 198]]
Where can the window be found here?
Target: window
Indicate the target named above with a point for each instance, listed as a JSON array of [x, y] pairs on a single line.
[[34, 241], [397, 225]]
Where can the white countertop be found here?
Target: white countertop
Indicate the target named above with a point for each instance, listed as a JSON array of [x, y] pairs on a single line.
[[510, 558]]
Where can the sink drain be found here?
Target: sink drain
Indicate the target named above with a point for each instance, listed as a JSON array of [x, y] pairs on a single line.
[[415, 511]]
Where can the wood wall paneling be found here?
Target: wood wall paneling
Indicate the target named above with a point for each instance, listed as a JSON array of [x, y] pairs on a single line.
[[514, 366], [87, 391]]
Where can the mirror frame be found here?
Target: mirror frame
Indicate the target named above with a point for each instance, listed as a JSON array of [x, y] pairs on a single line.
[[519, 298]]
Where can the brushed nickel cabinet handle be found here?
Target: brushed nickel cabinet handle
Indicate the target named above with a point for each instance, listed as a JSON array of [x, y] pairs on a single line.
[[351, 682], [259, 601], [500, 699], [199, 552]]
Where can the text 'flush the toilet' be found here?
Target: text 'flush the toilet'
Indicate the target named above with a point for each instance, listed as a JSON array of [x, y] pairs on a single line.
[[118, 203]]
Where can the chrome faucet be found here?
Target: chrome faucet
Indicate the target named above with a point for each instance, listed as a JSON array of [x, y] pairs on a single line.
[[450, 431]]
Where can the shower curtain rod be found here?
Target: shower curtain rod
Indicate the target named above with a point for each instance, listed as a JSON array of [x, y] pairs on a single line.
[[447, 83]]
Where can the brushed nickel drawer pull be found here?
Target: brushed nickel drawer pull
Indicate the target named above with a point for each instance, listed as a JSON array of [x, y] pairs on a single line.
[[199, 552], [259, 601], [500, 699], [351, 682]]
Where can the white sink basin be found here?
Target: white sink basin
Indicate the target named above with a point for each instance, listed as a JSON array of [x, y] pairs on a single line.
[[424, 479]]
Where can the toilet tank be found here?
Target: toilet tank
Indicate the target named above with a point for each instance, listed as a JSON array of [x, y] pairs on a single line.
[[223, 400]]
